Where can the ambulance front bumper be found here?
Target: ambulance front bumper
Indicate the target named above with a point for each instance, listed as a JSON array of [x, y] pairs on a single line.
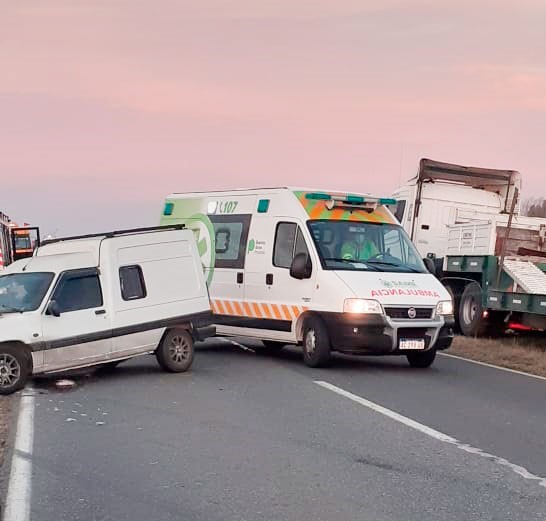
[[375, 334]]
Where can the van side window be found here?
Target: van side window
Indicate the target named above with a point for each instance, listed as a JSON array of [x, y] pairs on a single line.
[[76, 293], [230, 238], [289, 241], [131, 280], [399, 213]]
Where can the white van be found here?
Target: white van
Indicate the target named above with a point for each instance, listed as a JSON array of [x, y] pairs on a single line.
[[100, 299], [331, 271]]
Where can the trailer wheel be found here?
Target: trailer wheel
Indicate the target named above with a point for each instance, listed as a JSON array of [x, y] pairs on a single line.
[[15, 368], [175, 352], [421, 359], [316, 343], [471, 318]]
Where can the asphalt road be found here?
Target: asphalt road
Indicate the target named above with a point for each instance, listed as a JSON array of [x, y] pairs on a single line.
[[247, 436]]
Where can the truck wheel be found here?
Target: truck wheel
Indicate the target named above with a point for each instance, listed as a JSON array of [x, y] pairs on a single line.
[[471, 311], [316, 343], [175, 352], [422, 359], [15, 369], [456, 304]]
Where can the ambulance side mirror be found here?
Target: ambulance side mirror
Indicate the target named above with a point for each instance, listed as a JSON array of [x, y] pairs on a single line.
[[301, 267], [430, 265]]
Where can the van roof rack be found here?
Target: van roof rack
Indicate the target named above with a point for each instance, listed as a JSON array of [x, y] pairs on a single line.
[[108, 235]]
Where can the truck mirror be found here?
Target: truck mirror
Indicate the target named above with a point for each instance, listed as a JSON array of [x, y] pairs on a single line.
[[53, 309], [301, 267], [430, 265]]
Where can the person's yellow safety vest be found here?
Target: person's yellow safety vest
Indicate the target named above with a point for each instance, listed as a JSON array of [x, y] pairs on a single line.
[[350, 251]]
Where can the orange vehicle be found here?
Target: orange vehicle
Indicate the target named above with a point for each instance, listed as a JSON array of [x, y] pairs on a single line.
[[16, 242]]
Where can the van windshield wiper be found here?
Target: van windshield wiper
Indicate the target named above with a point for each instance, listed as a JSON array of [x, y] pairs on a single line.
[[351, 261], [395, 264]]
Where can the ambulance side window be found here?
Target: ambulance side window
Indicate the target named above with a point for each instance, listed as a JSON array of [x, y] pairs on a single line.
[[289, 241], [230, 239]]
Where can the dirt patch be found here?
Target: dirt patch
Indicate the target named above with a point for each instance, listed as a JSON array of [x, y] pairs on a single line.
[[526, 354], [5, 419]]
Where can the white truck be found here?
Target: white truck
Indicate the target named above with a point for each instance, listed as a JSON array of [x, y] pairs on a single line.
[[492, 260], [101, 299], [331, 271]]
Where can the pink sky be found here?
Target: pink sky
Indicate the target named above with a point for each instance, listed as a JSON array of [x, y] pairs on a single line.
[[106, 106]]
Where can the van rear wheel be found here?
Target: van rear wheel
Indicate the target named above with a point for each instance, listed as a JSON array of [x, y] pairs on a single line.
[[316, 343], [15, 368], [175, 352]]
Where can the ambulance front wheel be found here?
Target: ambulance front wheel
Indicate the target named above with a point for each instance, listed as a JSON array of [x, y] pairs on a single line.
[[316, 343]]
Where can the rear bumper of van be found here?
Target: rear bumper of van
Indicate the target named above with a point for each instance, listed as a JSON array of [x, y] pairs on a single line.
[[379, 335]]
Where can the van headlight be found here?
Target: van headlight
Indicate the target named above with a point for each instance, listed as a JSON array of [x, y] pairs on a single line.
[[360, 305], [444, 307]]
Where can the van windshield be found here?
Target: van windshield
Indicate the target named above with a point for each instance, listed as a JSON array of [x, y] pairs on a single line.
[[364, 246], [23, 291]]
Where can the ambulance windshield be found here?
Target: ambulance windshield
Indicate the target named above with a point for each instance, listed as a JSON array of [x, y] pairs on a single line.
[[356, 246]]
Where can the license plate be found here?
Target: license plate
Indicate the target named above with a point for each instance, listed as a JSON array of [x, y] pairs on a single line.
[[412, 343]]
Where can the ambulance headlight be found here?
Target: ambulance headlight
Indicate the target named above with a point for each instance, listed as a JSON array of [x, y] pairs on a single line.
[[444, 307], [360, 306]]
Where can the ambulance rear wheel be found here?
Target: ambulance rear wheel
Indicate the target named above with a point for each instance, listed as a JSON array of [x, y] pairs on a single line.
[[175, 352], [316, 343]]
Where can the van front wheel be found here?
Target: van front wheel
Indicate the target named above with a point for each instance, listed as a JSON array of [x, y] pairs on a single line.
[[15, 369], [175, 352], [316, 343]]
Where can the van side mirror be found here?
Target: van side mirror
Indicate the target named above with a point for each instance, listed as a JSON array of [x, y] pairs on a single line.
[[301, 267], [430, 265], [53, 309]]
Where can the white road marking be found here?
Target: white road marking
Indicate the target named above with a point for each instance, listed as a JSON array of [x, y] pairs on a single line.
[[493, 366], [20, 484], [433, 433]]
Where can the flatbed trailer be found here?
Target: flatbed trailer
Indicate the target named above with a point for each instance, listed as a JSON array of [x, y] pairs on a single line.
[[466, 222], [490, 299]]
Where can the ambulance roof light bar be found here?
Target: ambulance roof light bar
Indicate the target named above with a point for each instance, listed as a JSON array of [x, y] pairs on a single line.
[[350, 201]]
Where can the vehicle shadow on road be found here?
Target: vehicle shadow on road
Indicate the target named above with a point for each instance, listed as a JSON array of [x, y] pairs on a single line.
[[293, 354]]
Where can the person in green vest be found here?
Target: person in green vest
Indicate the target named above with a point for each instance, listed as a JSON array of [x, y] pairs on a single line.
[[355, 250]]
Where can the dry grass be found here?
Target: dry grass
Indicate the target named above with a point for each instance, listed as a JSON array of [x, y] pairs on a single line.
[[526, 354]]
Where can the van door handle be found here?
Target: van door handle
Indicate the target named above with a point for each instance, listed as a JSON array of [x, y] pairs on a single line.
[[269, 279], [100, 312], [240, 278]]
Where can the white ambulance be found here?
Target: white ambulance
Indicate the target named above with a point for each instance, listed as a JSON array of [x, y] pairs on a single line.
[[330, 271]]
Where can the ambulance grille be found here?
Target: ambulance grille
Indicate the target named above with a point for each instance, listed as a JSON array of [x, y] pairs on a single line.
[[403, 313]]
